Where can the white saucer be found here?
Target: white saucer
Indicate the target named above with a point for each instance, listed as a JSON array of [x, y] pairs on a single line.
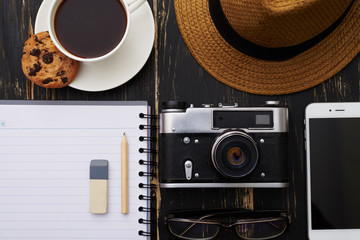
[[124, 64]]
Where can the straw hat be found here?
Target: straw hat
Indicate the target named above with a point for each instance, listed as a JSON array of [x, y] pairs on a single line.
[[271, 47]]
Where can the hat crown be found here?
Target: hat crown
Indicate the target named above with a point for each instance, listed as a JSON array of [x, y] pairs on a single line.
[[282, 23]]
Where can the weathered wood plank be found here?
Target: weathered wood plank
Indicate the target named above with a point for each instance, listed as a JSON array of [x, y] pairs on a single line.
[[15, 25]]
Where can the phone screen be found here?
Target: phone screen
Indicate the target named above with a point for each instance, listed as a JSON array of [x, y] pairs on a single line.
[[335, 172]]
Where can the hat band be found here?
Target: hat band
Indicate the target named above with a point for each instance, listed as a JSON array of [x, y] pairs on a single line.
[[264, 53]]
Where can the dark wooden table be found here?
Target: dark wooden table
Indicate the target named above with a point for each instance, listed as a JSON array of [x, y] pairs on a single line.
[[171, 73]]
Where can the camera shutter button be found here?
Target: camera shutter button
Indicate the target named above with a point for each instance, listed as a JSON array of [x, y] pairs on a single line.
[[188, 169]]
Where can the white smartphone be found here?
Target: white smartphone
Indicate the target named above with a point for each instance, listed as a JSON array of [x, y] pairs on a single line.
[[332, 132]]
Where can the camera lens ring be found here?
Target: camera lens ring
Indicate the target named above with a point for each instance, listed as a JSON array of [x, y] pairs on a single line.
[[246, 157]]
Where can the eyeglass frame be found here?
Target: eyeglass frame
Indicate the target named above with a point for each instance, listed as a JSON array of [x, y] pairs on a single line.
[[283, 216]]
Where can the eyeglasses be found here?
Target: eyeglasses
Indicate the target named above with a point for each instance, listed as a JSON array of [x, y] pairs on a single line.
[[247, 224]]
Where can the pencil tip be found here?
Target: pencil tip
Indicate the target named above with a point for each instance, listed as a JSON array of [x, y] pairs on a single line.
[[124, 134]]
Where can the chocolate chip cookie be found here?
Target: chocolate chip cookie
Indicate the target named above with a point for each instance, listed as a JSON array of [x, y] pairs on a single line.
[[45, 65]]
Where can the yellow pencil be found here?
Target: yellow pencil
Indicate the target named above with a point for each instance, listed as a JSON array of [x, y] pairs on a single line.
[[124, 175]]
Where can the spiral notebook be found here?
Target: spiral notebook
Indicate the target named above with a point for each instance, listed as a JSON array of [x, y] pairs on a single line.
[[45, 152]]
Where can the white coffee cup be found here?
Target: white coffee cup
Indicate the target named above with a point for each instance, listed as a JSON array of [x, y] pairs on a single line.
[[129, 7]]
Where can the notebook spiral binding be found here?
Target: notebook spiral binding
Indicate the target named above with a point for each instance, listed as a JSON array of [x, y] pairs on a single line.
[[151, 163]]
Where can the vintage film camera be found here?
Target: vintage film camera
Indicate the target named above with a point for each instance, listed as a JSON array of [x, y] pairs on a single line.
[[224, 146]]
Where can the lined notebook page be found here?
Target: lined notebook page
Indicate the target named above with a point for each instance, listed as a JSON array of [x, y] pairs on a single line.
[[45, 154]]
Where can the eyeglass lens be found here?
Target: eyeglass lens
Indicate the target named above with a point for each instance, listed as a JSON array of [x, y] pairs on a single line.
[[261, 230], [187, 230]]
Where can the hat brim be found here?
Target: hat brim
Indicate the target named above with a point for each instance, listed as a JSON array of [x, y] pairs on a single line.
[[252, 75]]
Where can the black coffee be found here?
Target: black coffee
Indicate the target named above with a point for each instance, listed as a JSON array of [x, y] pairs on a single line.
[[90, 28]]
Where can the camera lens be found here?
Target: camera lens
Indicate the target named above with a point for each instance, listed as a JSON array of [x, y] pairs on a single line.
[[234, 154]]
